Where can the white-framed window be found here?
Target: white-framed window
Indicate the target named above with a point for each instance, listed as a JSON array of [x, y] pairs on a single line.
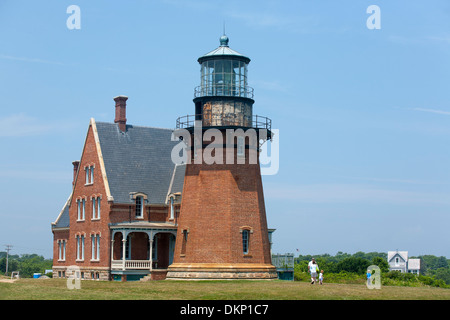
[[61, 250], [95, 246], [139, 207], [241, 146], [78, 209], [94, 208], [83, 209], [80, 247], [89, 170], [99, 199], [64, 250], [172, 209], [98, 247]]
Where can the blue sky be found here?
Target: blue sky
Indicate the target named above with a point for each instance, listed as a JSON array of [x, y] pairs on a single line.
[[363, 115]]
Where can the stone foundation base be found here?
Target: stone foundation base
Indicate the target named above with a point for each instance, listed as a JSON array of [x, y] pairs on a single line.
[[86, 273], [219, 271]]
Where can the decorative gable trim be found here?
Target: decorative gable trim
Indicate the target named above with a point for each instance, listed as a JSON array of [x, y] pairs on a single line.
[[109, 197]]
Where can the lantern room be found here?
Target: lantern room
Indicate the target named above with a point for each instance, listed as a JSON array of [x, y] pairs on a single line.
[[224, 73]]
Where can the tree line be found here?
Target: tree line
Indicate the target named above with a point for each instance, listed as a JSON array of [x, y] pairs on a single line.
[[26, 264], [353, 267], [342, 266]]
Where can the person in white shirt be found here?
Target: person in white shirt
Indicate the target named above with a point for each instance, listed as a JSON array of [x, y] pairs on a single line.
[[313, 267], [321, 277]]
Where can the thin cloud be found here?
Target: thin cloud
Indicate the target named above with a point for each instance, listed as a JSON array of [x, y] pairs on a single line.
[[444, 39], [352, 193], [26, 174], [447, 113], [22, 125], [400, 181], [33, 60], [273, 20]]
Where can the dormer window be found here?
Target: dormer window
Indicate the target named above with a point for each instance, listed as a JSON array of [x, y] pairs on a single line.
[[139, 207], [139, 199], [172, 209]]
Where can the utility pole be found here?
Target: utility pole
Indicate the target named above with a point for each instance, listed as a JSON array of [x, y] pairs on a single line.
[[8, 248]]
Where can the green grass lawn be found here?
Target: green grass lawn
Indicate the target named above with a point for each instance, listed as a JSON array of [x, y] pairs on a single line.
[[56, 289]]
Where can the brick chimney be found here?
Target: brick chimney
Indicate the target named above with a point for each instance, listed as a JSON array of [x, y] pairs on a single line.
[[121, 112], [75, 170]]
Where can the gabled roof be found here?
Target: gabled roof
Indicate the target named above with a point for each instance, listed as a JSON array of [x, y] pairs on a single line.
[[413, 264], [138, 160], [402, 254], [135, 161]]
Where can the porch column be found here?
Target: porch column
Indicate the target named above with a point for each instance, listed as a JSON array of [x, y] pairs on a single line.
[[150, 240], [112, 249], [124, 242]]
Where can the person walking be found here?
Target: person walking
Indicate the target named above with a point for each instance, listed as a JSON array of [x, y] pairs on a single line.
[[369, 275], [313, 266], [321, 277]]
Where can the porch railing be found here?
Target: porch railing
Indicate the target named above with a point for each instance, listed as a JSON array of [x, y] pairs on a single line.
[[131, 264]]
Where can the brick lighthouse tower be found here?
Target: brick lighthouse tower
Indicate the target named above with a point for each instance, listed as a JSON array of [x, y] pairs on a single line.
[[222, 227]]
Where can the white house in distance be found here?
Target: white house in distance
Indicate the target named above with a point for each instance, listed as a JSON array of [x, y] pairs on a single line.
[[398, 261]]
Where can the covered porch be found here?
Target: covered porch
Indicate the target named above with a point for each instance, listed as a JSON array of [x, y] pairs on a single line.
[[141, 249]]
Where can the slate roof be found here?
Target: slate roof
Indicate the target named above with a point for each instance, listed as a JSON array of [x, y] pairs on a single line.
[[176, 185], [63, 219], [138, 160]]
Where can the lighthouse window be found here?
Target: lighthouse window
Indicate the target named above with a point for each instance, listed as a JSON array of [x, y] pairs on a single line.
[[245, 234]]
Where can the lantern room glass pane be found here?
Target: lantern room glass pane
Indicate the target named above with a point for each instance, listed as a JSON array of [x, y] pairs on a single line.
[[218, 66], [223, 77]]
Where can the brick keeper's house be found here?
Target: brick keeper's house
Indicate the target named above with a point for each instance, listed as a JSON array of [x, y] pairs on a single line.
[[120, 221], [124, 219]]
